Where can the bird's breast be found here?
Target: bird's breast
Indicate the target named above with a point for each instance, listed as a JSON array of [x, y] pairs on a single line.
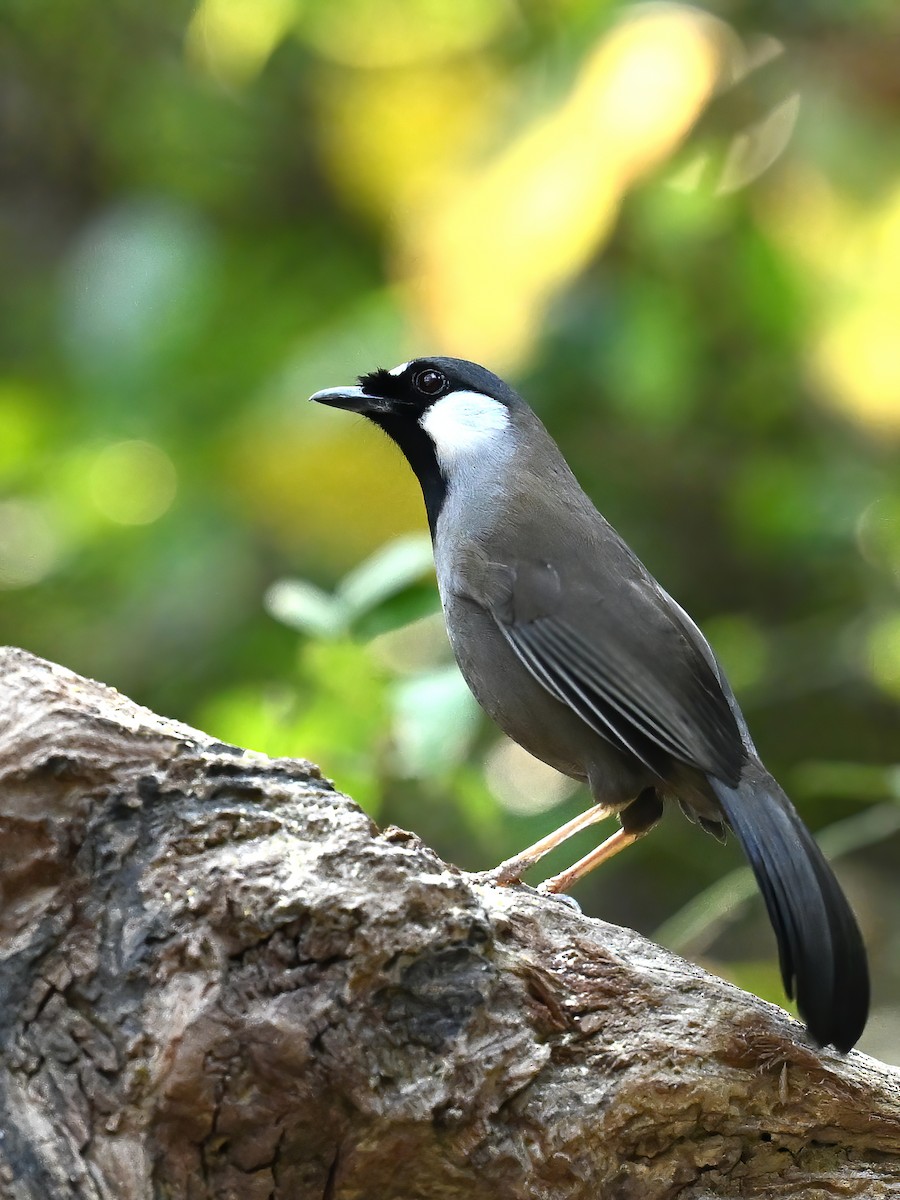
[[509, 695]]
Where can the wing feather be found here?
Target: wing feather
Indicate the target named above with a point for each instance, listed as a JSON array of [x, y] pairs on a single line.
[[569, 690], [605, 682], [617, 651], [632, 708]]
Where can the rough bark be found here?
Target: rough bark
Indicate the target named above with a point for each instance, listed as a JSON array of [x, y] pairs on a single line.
[[218, 979]]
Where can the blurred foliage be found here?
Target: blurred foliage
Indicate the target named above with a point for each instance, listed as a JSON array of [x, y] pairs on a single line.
[[677, 230]]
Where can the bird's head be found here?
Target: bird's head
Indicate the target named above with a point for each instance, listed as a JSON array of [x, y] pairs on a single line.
[[447, 415], [457, 404]]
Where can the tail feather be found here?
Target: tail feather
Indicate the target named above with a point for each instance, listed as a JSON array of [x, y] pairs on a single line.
[[820, 948]]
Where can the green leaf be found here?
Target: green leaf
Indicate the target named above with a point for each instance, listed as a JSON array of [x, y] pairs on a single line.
[[391, 569], [407, 606], [303, 606]]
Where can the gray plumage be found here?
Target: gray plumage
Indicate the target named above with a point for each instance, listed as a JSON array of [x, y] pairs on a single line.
[[577, 653]]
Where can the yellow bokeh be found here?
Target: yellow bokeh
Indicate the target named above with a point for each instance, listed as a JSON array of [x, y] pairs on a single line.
[[398, 33], [287, 477], [132, 483], [484, 258], [522, 784], [883, 653], [232, 39], [852, 251], [856, 361], [493, 212], [417, 124]]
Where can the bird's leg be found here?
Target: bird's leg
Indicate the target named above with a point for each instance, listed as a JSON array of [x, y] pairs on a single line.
[[513, 868], [566, 879], [637, 819]]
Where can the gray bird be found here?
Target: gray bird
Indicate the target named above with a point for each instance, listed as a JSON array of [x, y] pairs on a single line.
[[572, 647]]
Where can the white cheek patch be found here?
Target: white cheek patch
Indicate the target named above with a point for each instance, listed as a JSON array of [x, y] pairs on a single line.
[[464, 423], [398, 370]]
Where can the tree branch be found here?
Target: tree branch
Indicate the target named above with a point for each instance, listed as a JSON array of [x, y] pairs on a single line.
[[218, 979]]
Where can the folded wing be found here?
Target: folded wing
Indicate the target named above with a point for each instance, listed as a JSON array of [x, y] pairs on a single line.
[[658, 704]]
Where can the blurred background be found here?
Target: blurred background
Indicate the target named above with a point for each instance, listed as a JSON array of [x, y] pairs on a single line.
[[675, 229]]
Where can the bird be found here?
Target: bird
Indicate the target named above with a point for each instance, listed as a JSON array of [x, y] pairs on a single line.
[[580, 656]]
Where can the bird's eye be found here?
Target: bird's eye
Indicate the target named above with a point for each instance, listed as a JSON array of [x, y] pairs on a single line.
[[429, 382]]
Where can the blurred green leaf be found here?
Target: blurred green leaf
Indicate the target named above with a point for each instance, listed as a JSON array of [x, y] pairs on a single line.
[[410, 604], [435, 720], [383, 593], [302, 606], [387, 572]]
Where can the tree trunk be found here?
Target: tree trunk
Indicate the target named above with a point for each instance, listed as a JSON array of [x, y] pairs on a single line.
[[218, 979]]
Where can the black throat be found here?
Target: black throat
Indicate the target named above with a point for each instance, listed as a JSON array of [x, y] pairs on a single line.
[[419, 450]]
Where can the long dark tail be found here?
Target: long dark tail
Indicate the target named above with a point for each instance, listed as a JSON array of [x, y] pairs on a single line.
[[820, 948]]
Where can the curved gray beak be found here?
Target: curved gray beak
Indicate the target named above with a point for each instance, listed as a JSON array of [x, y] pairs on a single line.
[[352, 399]]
